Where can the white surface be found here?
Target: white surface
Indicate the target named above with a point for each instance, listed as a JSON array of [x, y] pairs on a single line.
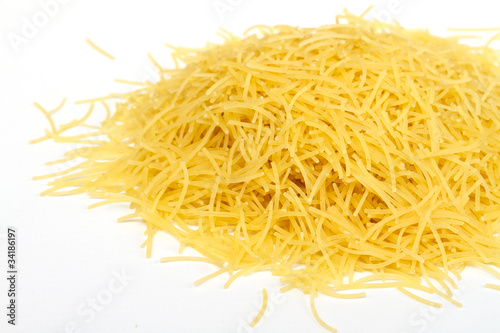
[[69, 255]]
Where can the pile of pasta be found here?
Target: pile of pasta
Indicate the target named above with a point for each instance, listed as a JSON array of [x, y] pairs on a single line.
[[313, 153]]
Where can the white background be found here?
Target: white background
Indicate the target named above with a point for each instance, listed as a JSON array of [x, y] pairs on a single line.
[[69, 255]]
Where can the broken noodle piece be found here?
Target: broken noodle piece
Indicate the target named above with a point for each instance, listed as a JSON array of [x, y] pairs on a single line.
[[262, 309]]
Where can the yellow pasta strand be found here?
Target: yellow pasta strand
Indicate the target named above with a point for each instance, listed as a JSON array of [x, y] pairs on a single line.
[[262, 309], [98, 49], [492, 286]]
